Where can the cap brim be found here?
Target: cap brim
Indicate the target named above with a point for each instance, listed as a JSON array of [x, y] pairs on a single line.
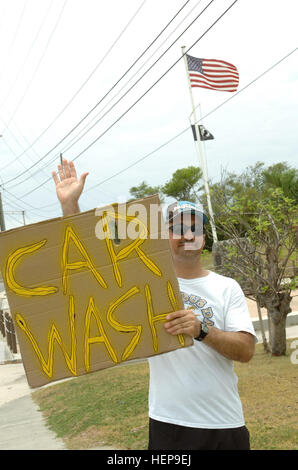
[[190, 211]]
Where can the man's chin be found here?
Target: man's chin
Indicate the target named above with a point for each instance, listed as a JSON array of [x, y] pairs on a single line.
[[190, 248]]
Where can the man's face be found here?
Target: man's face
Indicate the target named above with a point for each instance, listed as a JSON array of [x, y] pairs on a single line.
[[186, 235]]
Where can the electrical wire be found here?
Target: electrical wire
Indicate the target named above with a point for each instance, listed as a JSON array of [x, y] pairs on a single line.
[[13, 152], [16, 78], [187, 128], [80, 88], [16, 32], [97, 104], [25, 60], [73, 140], [197, 122], [36, 209], [80, 135], [38, 65], [13, 218], [142, 96]]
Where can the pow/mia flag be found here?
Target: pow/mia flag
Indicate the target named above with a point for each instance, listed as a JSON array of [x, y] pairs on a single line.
[[204, 134]]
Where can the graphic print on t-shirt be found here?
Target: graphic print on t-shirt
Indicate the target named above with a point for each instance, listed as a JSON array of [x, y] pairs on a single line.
[[194, 302]]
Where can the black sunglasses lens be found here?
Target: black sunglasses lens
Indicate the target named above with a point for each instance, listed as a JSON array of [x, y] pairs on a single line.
[[177, 229], [182, 229]]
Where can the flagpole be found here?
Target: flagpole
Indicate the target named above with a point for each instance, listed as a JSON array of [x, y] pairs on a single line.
[[200, 151]]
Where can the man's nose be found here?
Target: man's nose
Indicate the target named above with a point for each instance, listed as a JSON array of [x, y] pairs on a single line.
[[188, 235]]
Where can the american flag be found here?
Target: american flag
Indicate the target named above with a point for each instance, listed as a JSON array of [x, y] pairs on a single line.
[[212, 74]]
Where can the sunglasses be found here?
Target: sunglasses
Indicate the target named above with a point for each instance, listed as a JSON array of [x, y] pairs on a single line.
[[182, 229]]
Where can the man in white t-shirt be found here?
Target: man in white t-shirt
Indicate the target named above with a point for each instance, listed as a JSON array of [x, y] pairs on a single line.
[[193, 397]]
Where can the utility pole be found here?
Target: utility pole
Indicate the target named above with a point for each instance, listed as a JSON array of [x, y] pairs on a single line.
[[2, 221], [24, 220]]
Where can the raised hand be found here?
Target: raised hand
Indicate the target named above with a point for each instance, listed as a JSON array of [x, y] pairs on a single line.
[[68, 187]]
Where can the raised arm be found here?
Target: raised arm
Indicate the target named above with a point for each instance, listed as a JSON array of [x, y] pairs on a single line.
[[68, 187]]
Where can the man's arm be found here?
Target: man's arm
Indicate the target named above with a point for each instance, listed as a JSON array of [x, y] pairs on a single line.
[[68, 187], [237, 346]]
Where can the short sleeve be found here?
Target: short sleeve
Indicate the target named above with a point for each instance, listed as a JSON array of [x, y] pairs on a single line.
[[237, 317]]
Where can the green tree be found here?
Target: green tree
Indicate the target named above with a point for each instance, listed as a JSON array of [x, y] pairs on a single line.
[[282, 176], [261, 257], [144, 190], [253, 184], [184, 184]]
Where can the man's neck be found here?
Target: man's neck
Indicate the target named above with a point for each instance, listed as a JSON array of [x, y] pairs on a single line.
[[189, 270]]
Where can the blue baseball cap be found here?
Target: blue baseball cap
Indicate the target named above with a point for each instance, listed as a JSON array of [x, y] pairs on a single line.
[[185, 207]]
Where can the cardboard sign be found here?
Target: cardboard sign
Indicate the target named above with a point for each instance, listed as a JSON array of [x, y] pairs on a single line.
[[90, 291]]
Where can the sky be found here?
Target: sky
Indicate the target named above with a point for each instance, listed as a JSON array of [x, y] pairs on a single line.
[[64, 59]]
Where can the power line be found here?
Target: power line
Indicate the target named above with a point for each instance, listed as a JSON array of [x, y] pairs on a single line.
[[7, 214], [19, 199], [250, 83], [123, 96], [9, 201], [16, 31], [12, 86], [13, 152], [80, 88], [25, 60], [65, 149], [38, 65], [97, 104], [187, 128], [144, 94]]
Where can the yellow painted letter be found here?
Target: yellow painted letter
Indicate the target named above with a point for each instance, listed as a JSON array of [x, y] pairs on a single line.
[[91, 310], [125, 328], [54, 335], [154, 318], [87, 263], [125, 252], [13, 260]]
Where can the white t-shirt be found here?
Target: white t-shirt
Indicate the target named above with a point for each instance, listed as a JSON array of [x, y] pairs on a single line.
[[197, 386]]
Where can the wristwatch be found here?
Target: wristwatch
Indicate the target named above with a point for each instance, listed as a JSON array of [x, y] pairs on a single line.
[[204, 332]]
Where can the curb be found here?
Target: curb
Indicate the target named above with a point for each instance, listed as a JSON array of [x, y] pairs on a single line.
[[292, 320]]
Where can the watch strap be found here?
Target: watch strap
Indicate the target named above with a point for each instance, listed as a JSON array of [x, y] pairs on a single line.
[[203, 333]]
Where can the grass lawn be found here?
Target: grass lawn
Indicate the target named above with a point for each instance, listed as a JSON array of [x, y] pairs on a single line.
[[109, 408]]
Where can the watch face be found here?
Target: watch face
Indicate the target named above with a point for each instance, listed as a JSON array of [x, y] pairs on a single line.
[[205, 328]]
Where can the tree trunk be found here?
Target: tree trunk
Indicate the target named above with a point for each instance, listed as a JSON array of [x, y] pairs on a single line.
[[278, 306], [278, 343]]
